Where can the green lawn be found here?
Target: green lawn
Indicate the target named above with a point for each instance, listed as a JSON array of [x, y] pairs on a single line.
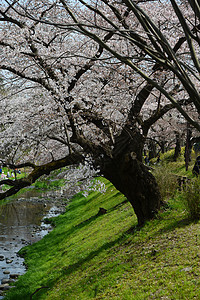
[[92, 256]]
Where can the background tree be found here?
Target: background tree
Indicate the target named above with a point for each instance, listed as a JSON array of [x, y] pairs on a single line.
[[177, 151], [109, 73]]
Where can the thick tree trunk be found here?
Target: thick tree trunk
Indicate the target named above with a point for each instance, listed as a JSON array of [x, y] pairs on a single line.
[[131, 177]]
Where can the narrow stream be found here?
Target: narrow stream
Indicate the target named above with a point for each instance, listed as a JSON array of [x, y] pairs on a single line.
[[21, 223]]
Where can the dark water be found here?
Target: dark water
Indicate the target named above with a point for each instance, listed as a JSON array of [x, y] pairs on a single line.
[[21, 223]]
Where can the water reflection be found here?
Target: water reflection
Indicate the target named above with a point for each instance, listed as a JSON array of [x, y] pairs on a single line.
[[21, 213], [20, 224]]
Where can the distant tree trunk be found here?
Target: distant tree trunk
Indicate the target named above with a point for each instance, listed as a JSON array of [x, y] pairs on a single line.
[[162, 146], [131, 177], [177, 151], [152, 149], [188, 147]]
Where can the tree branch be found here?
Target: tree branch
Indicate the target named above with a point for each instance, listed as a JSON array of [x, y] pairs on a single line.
[[37, 172]]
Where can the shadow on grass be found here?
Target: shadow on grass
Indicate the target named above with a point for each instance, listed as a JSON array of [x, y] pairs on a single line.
[[68, 270], [118, 205], [177, 224], [80, 201], [101, 212], [58, 237], [73, 267]]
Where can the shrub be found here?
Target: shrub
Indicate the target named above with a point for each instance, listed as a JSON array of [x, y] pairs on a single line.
[[167, 181], [191, 198]]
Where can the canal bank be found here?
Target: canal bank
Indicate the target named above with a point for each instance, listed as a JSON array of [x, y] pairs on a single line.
[[22, 222]]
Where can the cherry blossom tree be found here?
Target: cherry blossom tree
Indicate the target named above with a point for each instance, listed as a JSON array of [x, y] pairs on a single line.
[[169, 132], [94, 77]]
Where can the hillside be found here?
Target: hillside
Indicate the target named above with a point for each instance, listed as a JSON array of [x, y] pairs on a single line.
[[90, 255]]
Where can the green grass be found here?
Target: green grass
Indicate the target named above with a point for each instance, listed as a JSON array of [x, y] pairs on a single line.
[[178, 167], [92, 256], [46, 184], [50, 182], [6, 170]]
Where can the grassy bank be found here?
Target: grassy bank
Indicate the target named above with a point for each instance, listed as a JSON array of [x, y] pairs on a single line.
[[94, 256]]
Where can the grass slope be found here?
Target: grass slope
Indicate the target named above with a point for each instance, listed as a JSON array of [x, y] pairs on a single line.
[[92, 256]]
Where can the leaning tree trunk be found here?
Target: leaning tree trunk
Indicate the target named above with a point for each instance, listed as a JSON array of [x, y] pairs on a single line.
[[131, 177]]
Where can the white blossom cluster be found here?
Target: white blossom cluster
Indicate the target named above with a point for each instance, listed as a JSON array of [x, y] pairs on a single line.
[[58, 81], [96, 186]]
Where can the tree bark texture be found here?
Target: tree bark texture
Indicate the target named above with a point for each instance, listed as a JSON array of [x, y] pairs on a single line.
[[131, 177]]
